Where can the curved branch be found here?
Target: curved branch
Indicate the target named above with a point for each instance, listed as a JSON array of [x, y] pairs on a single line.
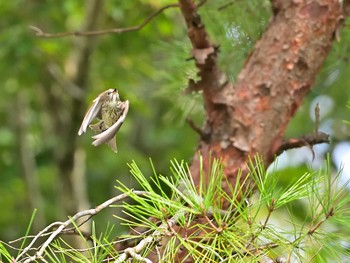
[[40, 33], [306, 140], [154, 238], [62, 225]]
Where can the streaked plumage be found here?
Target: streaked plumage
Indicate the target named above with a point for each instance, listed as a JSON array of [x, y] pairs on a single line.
[[113, 112]]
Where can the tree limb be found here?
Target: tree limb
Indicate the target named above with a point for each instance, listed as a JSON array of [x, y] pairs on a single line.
[[154, 238], [306, 140], [40, 33], [62, 225], [251, 116]]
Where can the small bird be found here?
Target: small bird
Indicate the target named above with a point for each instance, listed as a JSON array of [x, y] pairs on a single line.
[[113, 112]]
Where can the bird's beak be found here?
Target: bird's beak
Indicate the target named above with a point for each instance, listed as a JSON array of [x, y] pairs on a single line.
[[115, 95]]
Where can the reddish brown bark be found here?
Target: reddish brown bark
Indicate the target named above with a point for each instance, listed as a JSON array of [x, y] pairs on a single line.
[[251, 116]]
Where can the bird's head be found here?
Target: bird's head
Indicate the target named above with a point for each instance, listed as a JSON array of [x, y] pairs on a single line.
[[112, 95]]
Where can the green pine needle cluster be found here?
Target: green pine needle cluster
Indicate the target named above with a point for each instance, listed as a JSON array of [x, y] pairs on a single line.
[[175, 217], [262, 225]]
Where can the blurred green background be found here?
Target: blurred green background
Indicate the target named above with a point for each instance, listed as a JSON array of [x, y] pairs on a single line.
[[48, 83]]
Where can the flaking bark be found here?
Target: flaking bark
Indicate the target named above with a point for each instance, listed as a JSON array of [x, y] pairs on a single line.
[[251, 116]]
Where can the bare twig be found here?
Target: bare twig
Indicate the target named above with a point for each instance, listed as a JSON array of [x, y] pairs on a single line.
[[133, 252], [254, 250], [202, 2], [329, 214], [270, 208], [307, 140], [166, 228], [204, 135], [317, 119], [40, 33], [263, 247], [63, 225], [228, 4], [9, 245], [74, 232], [217, 229], [68, 231]]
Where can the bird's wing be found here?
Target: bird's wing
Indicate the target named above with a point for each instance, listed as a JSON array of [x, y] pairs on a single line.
[[108, 134], [90, 114]]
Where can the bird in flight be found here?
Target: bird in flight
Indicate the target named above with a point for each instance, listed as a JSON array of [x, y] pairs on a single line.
[[112, 112]]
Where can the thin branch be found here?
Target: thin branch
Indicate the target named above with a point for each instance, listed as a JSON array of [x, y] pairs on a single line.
[[40, 33], [9, 245], [165, 228], [203, 134], [133, 252], [270, 208], [307, 140], [202, 2], [317, 119], [329, 214], [63, 225], [254, 250], [74, 232], [226, 5], [262, 248], [68, 231], [217, 229]]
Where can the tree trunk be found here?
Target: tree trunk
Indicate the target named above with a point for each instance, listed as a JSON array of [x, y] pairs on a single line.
[[251, 116]]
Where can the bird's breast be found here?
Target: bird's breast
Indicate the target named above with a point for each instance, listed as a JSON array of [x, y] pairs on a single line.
[[111, 112]]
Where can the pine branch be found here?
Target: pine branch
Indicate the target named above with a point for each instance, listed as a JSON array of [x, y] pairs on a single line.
[[153, 239], [62, 225]]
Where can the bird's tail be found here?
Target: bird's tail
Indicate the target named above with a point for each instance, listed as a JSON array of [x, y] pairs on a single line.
[[113, 144]]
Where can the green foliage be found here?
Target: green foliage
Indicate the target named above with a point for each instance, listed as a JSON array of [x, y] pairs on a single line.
[[258, 227], [4, 253], [151, 69], [136, 63], [101, 247], [230, 25], [261, 225]]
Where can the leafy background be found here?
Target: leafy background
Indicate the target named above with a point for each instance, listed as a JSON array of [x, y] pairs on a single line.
[[150, 68]]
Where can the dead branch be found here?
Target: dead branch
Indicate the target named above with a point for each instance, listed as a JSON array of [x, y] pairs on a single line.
[[204, 135], [40, 33], [307, 140], [62, 225], [155, 238]]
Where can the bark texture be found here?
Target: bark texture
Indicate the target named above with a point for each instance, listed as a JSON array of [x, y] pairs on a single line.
[[251, 116]]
